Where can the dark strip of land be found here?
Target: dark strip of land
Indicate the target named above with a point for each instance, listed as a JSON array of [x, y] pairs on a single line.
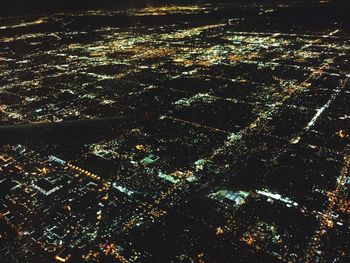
[[67, 131]]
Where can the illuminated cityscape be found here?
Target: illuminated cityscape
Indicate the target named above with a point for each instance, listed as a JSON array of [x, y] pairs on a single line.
[[197, 132]]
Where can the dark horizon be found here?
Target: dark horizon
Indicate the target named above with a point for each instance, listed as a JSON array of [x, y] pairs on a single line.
[[20, 7]]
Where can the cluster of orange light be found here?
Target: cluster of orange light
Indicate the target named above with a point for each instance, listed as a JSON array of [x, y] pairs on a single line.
[[180, 174], [82, 171], [342, 134], [157, 213], [327, 221], [105, 187], [91, 255], [248, 239], [200, 257], [344, 206], [43, 171], [219, 231], [111, 249]]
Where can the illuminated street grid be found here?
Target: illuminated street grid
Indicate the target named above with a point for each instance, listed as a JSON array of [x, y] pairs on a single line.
[[247, 160]]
